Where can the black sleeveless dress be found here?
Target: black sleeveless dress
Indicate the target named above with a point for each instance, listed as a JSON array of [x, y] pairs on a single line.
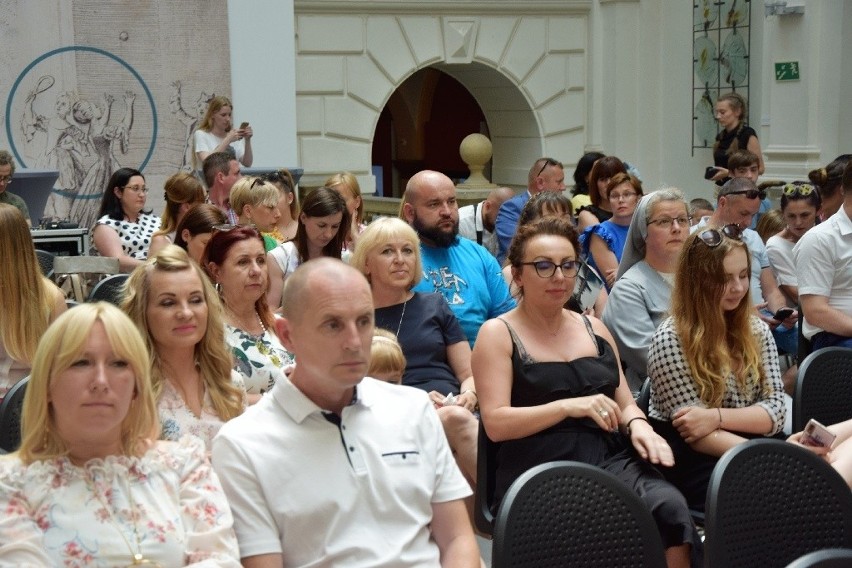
[[535, 383]]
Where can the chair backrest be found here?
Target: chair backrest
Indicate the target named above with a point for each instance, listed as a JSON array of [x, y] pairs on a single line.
[[110, 289], [574, 514], [769, 502], [643, 399], [45, 262], [824, 387], [10, 416], [486, 466], [828, 558]]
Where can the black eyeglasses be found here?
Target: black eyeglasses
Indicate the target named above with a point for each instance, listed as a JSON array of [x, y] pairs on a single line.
[[803, 189], [136, 188], [257, 181], [714, 237], [548, 162], [547, 268], [749, 193], [6, 180]]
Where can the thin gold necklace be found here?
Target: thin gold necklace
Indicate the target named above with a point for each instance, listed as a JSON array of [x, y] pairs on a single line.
[[138, 558]]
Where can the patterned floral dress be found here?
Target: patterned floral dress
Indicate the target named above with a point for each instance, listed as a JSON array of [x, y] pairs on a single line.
[[260, 359], [167, 505]]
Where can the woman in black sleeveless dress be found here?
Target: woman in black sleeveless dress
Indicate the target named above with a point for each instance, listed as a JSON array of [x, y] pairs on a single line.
[[555, 390]]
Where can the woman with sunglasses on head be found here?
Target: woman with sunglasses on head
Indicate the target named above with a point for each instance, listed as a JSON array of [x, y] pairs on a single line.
[[179, 315], [715, 379], [800, 207], [829, 181], [323, 229], [124, 229], [255, 202], [235, 260], [90, 484], [182, 191], [288, 205], [602, 244], [553, 387]]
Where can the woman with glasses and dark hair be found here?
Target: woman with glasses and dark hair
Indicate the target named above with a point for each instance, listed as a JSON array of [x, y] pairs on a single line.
[[324, 226], [553, 387], [182, 191], [800, 207], [715, 379], [288, 205], [235, 260], [124, 229]]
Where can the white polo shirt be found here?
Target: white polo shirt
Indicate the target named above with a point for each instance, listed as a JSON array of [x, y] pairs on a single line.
[[360, 494], [470, 222], [824, 265]]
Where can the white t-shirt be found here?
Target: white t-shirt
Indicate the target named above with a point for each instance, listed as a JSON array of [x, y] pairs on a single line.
[[780, 251], [355, 493], [207, 142]]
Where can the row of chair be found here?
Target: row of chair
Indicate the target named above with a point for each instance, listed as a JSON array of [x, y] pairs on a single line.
[[69, 271]]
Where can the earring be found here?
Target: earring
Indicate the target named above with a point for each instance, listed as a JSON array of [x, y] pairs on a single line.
[[218, 288]]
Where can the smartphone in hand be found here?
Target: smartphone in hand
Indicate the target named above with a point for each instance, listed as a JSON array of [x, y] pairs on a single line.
[[244, 125], [710, 172], [817, 435], [783, 314]]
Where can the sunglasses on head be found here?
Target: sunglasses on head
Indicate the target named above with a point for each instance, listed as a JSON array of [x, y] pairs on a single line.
[[714, 237], [803, 189], [750, 193], [226, 227], [547, 162]]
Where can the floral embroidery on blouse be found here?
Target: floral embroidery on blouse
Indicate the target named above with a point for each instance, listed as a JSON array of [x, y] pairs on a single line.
[[259, 359], [59, 514]]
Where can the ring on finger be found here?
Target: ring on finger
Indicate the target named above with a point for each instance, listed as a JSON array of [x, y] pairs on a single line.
[[603, 413]]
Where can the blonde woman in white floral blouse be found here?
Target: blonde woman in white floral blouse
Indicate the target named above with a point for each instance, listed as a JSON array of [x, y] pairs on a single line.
[[90, 484], [177, 311]]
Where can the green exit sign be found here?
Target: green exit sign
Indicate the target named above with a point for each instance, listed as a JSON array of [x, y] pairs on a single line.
[[787, 71]]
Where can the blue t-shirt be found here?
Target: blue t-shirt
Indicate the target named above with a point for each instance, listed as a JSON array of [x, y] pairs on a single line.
[[614, 236], [469, 278]]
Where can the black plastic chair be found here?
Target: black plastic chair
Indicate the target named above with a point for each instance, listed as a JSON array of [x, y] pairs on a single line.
[[486, 465], [823, 387], [643, 399], [770, 502], [110, 289], [45, 262], [829, 558], [10, 416], [569, 513]]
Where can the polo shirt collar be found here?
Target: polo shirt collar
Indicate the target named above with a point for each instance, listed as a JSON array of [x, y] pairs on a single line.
[[844, 223], [298, 406]]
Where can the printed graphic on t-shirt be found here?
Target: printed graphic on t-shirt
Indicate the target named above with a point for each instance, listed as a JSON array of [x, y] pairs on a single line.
[[445, 282]]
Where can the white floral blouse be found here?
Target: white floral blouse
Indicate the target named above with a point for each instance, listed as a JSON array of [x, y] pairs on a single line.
[[177, 420], [54, 513], [259, 359]]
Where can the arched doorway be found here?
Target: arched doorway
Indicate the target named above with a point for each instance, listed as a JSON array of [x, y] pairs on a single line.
[[421, 127]]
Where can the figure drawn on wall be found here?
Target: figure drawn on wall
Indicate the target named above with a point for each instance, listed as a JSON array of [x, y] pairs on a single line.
[[190, 118], [79, 142]]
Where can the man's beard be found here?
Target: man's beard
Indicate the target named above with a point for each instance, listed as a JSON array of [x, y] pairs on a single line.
[[435, 235]]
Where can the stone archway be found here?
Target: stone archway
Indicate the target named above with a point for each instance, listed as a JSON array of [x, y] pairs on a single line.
[[525, 64]]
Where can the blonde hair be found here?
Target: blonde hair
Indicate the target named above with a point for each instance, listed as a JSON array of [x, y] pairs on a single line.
[[28, 296], [715, 343], [253, 191], [349, 182], [215, 104], [386, 355], [380, 232], [180, 188], [62, 344], [212, 353]]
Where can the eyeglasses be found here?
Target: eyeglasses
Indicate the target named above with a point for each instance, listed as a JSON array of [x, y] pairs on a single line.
[[547, 268], [136, 188], [6, 180], [226, 227], [667, 222], [257, 181], [548, 162], [714, 237], [803, 189], [749, 193], [625, 196]]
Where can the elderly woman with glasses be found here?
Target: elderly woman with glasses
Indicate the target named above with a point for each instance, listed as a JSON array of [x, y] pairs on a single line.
[[553, 389], [641, 297], [715, 379], [124, 229], [800, 207]]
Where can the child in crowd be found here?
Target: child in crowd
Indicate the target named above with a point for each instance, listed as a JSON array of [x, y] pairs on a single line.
[[387, 363]]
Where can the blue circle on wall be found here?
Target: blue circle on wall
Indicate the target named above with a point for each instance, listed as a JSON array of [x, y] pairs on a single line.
[[98, 51]]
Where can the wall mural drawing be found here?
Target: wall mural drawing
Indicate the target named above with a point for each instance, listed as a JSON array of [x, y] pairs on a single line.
[[189, 118]]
